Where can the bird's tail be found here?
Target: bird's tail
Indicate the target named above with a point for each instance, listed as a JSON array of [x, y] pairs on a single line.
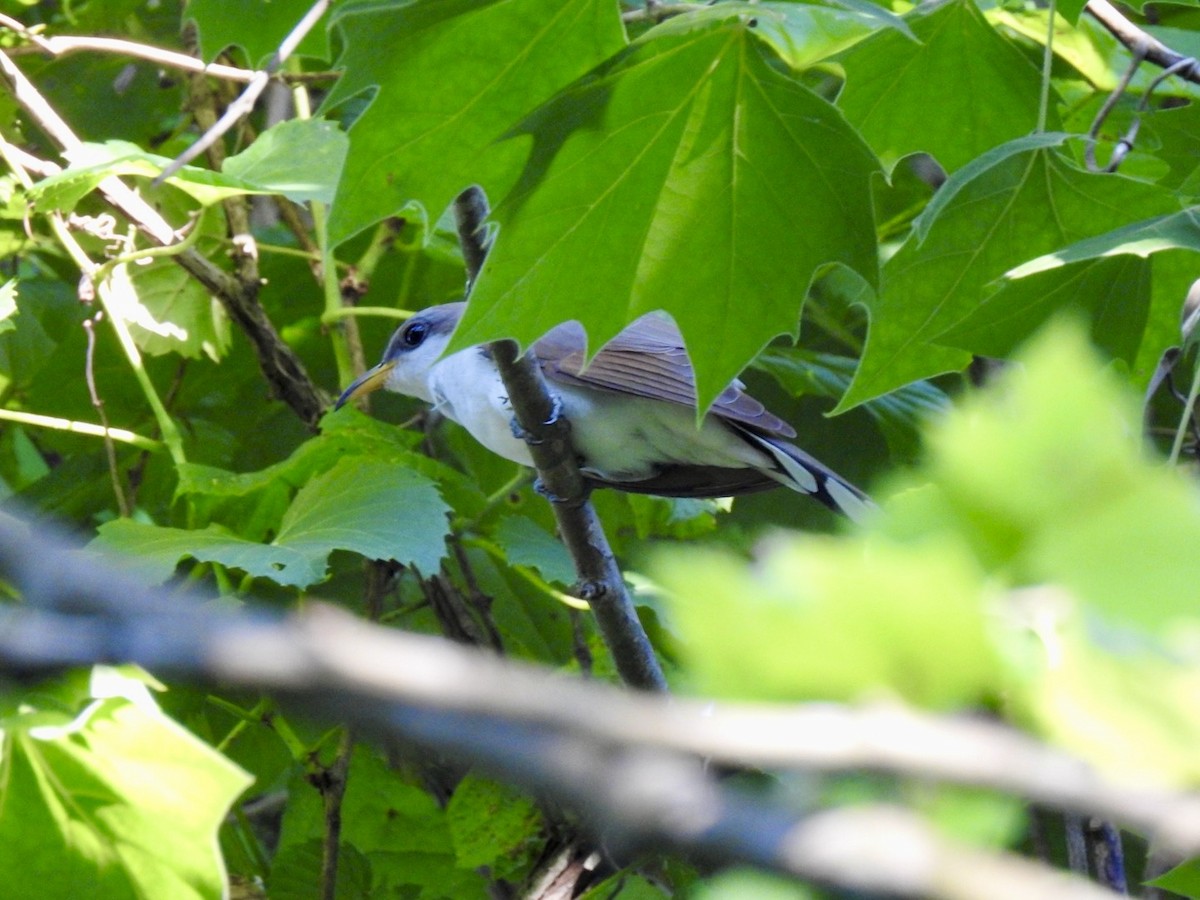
[[801, 472]]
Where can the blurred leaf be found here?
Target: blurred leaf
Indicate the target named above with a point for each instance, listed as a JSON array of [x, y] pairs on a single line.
[[118, 802], [492, 63], [684, 175], [301, 159], [493, 825], [1046, 477], [833, 620], [296, 871], [1184, 879], [892, 82], [736, 884], [988, 218]]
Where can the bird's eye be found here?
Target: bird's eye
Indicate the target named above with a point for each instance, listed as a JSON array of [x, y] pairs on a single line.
[[415, 334]]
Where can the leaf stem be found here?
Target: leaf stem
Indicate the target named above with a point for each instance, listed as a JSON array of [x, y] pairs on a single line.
[[1188, 410], [1047, 65]]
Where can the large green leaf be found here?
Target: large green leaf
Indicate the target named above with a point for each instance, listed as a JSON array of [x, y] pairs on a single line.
[[168, 311], [118, 802], [453, 78], [689, 175], [892, 83], [368, 506], [372, 507], [1008, 206], [152, 552]]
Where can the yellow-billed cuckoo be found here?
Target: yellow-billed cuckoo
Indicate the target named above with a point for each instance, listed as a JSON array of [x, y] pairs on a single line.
[[631, 411]]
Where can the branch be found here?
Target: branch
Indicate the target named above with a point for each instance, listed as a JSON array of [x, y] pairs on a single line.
[[244, 104], [1140, 42], [280, 365], [548, 435], [62, 45], [630, 762]]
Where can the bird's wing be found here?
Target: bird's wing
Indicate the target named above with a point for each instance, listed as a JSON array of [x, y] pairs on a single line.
[[647, 359]]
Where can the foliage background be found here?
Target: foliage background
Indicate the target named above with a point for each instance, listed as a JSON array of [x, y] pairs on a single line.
[[906, 187]]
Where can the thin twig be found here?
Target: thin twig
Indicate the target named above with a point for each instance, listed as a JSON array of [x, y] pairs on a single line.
[[548, 436], [245, 103], [110, 450]]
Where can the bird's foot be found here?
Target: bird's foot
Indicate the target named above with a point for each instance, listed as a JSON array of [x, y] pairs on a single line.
[[554, 418], [541, 488]]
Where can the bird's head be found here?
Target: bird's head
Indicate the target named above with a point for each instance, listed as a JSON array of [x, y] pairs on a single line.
[[410, 354]]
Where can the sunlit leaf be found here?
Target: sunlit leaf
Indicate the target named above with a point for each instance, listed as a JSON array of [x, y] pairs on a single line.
[[689, 175], [117, 802]]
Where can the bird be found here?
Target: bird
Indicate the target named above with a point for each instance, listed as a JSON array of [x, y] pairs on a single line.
[[631, 410]]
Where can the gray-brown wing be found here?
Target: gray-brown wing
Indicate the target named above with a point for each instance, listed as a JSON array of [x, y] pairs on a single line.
[[647, 359]]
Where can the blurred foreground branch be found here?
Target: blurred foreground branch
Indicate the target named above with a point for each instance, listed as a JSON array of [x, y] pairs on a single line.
[[631, 764]]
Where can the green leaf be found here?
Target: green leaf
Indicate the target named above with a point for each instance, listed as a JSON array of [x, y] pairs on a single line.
[[1184, 879], [453, 79], [1113, 294], [987, 219], [806, 33], [1047, 479], [399, 828], [813, 619], [119, 802], [301, 159], [493, 825], [898, 414], [1179, 230], [168, 311], [375, 508], [257, 26], [688, 175], [152, 552], [527, 544], [90, 164], [892, 83]]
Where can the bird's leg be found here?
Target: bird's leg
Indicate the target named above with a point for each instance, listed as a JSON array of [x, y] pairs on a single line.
[[554, 498], [554, 418]]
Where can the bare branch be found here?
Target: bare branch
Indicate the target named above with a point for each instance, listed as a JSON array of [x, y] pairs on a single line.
[[548, 435]]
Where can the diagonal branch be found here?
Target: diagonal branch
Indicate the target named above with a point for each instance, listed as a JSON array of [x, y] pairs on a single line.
[[280, 365], [549, 438]]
